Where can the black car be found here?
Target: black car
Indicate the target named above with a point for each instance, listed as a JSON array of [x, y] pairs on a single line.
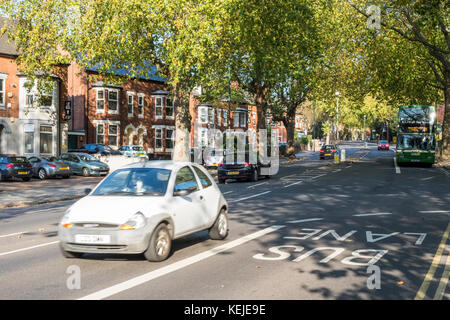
[[95, 148], [327, 151], [15, 166], [240, 170]]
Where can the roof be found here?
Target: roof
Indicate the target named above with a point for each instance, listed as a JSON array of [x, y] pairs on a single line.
[[160, 164], [151, 75], [7, 47]]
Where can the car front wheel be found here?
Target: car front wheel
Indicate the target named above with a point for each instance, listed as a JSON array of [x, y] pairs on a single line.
[[85, 172], [160, 244], [219, 230], [42, 174]]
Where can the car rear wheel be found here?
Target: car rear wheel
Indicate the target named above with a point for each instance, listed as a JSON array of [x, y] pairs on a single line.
[[221, 180], [85, 172], [254, 176], [42, 174], [219, 230], [66, 177], [26, 179], [160, 244]]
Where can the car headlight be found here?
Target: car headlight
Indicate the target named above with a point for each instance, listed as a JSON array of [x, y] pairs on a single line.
[[135, 222], [65, 221]]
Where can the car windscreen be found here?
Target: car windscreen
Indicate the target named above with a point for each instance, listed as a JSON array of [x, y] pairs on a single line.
[[135, 182], [87, 157], [18, 159], [138, 148], [383, 141], [416, 142]]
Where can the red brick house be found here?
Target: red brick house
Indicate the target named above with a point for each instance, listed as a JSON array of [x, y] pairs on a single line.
[[138, 112]]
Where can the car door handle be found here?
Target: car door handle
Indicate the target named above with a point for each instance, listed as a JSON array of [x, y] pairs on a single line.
[[201, 198]]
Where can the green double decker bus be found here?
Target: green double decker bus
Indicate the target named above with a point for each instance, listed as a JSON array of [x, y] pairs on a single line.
[[416, 137]]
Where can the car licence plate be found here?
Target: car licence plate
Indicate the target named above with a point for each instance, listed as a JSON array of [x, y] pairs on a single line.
[[232, 172], [91, 238], [64, 168], [328, 154], [22, 172]]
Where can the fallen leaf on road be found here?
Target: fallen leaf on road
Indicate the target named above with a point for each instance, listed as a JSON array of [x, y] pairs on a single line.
[[400, 283], [41, 229]]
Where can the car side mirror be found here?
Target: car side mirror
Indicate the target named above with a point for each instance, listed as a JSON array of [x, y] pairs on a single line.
[[181, 193], [87, 190]]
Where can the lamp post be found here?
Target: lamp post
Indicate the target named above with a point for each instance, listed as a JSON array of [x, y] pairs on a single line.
[[337, 115], [364, 128]]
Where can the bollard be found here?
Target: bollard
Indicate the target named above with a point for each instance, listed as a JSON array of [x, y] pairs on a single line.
[[336, 157], [342, 155]]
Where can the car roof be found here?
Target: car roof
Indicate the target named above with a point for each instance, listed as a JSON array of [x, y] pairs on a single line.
[[160, 164]]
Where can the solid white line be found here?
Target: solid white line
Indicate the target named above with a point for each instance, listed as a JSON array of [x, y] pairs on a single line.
[[293, 184], [253, 196], [305, 220], [397, 168], [12, 234], [105, 293], [320, 175], [436, 211], [228, 192], [371, 214], [257, 184], [29, 248]]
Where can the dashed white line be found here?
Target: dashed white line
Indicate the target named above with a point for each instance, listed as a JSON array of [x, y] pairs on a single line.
[[28, 248], [436, 211], [320, 175], [228, 192], [12, 234], [293, 184], [397, 168], [371, 214], [253, 196], [305, 220], [258, 184], [105, 293]]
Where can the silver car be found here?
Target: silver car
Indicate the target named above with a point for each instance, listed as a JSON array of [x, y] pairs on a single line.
[[46, 167]]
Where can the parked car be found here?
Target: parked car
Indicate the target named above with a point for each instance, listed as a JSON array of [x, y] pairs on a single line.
[[104, 150], [383, 145], [85, 164], [143, 208], [46, 167], [133, 151], [15, 166], [327, 151], [238, 170], [213, 158]]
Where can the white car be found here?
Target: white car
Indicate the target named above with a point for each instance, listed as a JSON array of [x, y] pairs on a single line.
[[214, 158], [141, 208]]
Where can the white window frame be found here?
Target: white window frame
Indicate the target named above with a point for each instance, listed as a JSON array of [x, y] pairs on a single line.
[[159, 107], [109, 100], [29, 128], [211, 119], [159, 129], [113, 135], [219, 117], [97, 133], [3, 91], [47, 133], [141, 96], [236, 119], [130, 94], [171, 106], [202, 114], [242, 119], [172, 138], [97, 110]]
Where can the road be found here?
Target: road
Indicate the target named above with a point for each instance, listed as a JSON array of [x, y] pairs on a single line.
[[363, 230]]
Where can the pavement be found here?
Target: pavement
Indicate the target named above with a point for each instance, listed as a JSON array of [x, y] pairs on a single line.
[[362, 230]]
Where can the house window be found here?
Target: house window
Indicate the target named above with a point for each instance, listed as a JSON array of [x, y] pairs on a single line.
[[29, 138], [169, 108], [158, 139], [225, 117], [141, 106], [46, 139], [113, 102], [169, 139], [159, 107], [46, 100], [203, 137], [130, 104], [203, 114], [243, 117], [112, 135], [219, 117], [236, 119], [29, 99], [2, 93], [100, 133], [210, 115], [254, 118], [100, 100]]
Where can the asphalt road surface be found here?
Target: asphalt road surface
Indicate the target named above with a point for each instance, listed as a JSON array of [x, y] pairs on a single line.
[[362, 230]]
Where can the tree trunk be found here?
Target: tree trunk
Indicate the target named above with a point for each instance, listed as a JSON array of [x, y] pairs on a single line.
[[290, 136], [181, 151], [445, 151]]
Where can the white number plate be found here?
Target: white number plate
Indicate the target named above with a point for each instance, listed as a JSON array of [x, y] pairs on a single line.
[[90, 238]]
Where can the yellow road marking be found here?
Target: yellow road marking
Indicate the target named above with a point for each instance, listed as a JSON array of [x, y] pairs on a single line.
[[426, 282], [443, 283]]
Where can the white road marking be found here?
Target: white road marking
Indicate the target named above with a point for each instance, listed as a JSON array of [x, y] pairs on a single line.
[[126, 285], [305, 220], [255, 185], [290, 175], [253, 196], [371, 214], [436, 211], [28, 248], [13, 234], [397, 168], [292, 184], [320, 175], [444, 171], [228, 192]]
